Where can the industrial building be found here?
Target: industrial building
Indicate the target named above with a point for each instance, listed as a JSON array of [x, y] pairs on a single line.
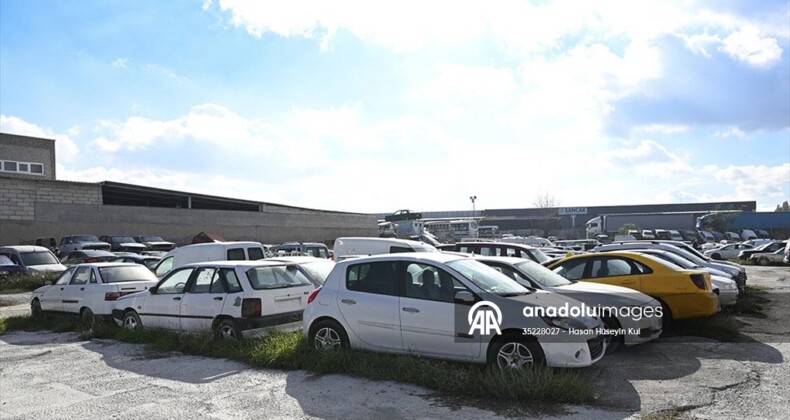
[[34, 204]]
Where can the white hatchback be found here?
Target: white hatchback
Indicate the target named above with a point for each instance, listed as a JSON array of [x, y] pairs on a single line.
[[224, 297], [90, 290]]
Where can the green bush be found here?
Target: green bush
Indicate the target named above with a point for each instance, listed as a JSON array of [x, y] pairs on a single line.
[[16, 283]]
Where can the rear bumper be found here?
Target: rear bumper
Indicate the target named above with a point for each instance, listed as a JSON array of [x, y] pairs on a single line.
[[270, 320]]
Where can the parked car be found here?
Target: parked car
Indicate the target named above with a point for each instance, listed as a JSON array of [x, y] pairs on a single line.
[[682, 293], [648, 234], [723, 285], [7, 266], [769, 258], [228, 298], [315, 269], [533, 275], [348, 246], [212, 251], [662, 234], [155, 243], [420, 303], [769, 246], [732, 237], [502, 249], [762, 234], [75, 242], [90, 290], [313, 249], [123, 243], [146, 260], [726, 252], [402, 215], [48, 242], [748, 234], [87, 256], [786, 259], [33, 259]]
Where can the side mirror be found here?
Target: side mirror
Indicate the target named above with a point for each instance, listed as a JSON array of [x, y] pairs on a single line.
[[153, 289], [464, 297]]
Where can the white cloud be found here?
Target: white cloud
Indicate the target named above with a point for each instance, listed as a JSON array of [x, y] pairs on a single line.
[[749, 46], [166, 72], [754, 180], [730, 132], [648, 158], [662, 128], [65, 147], [121, 62]]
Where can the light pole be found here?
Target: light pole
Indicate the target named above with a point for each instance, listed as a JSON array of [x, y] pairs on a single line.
[[472, 198]]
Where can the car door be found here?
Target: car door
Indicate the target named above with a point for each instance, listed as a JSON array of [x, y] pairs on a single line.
[[428, 313], [74, 292], [52, 298], [617, 271], [369, 304], [163, 305], [202, 300]]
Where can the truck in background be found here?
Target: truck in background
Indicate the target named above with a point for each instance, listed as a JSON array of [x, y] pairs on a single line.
[[610, 224]]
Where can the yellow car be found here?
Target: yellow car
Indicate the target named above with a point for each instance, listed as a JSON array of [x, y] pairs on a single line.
[[684, 293]]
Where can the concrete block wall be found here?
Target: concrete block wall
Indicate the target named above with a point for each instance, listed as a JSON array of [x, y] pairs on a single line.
[[17, 199]]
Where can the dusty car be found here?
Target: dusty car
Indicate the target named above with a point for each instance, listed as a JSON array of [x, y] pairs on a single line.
[[87, 256], [32, 259], [75, 242], [155, 243], [769, 258], [123, 243]]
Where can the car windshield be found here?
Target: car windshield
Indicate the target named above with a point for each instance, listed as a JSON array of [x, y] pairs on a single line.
[[276, 277], [126, 273], [152, 238], [86, 238], [317, 251], [318, 270], [123, 239], [422, 247], [38, 258], [487, 279], [151, 263], [674, 259], [539, 255], [763, 246], [542, 275]]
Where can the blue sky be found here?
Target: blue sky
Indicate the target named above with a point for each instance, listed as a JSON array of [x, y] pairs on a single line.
[[367, 107]]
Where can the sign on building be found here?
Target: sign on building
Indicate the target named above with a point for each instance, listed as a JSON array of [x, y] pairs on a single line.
[[568, 211]]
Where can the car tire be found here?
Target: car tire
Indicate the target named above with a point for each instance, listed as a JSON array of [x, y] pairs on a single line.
[[87, 318], [35, 308], [716, 256], [227, 329], [763, 261], [513, 351], [613, 342], [131, 321], [327, 334]]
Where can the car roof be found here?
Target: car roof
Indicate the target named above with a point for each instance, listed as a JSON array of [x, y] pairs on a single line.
[[503, 243], [296, 259], [94, 252], [25, 248], [238, 263], [508, 260], [106, 264], [437, 257]]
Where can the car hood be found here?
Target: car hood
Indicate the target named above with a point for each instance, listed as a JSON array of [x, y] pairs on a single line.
[[132, 245], [41, 289], [727, 268], [595, 293], [47, 268], [159, 243], [719, 281], [91, 243]]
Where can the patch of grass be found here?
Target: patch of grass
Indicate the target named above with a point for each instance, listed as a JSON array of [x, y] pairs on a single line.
[[290, 351], [20, 283], [670, 414]]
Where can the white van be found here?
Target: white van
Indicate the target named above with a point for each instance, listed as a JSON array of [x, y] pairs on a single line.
[[218, 251], [345, 247]]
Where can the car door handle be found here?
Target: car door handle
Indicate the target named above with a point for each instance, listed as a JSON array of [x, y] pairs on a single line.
[[61, 288], [177, 298], [217, 298], [411, 310], [82, 288], [349, 301]]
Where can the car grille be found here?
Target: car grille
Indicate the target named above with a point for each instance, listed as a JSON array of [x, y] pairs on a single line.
[[596, 346]]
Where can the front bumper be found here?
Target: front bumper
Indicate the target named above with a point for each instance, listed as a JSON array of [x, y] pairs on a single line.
[[641, 331], [578, 354], [728, 297]]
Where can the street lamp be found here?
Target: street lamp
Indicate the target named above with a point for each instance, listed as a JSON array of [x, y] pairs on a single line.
[[473, 198]]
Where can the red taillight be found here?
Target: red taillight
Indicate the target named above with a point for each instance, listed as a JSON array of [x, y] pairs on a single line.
[[112, 295], [92, 260], [313, 295], [699, 280], [251, 308]]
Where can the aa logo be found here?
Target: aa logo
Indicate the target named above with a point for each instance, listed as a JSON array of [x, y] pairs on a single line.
[[485, 318]]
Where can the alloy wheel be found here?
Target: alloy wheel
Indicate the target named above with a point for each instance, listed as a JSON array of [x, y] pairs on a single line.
[[514, 355], [326, 339]]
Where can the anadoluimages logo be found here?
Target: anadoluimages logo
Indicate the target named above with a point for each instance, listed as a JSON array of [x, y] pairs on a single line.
[[484, 317]]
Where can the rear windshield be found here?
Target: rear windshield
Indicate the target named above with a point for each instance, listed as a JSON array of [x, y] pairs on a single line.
[[122, 274], [317, 251], [86, 238], [38, 258], [319, 270], [276, 277]]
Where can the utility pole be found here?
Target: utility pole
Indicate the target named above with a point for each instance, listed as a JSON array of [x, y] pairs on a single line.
[[472, 198]]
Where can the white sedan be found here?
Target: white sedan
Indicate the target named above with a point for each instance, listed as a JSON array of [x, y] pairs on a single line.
[[90, 290], [768, 258], [224, 297], [726, 252]]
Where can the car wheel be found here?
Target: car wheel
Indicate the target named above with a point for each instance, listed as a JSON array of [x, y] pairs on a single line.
[[227, 330], [716, 256], [131, 321], [763, 261], [35, 308], [515, 352], [613, 342], [87, 318], [328, 335]]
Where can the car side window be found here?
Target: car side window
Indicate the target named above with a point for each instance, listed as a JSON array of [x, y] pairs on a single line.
[[175, 282], [255, 253], [641, 268], [65, 277], [610, 267], [93, 276], [203, 279], [236, 254], [81, 276], [399, 249], [488, 251], [231, 280], [377, 277], [164, 266], [422, 281], [572, 270], [466, 248]]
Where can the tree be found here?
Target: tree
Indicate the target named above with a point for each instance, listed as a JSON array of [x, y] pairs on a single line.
[[720, 222], [785, 207], [625, 228], [548, 217]]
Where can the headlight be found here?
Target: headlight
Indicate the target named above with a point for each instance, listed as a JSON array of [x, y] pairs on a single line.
[[730, 286], [569, 322]]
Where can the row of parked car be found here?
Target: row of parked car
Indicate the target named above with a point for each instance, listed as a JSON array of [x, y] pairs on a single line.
[[761, 252], [402, 296]]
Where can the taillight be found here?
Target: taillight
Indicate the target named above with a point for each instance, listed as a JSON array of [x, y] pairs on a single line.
[[251, 308], [112, 295], [313, 295], [92, 260], [699, 280]]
